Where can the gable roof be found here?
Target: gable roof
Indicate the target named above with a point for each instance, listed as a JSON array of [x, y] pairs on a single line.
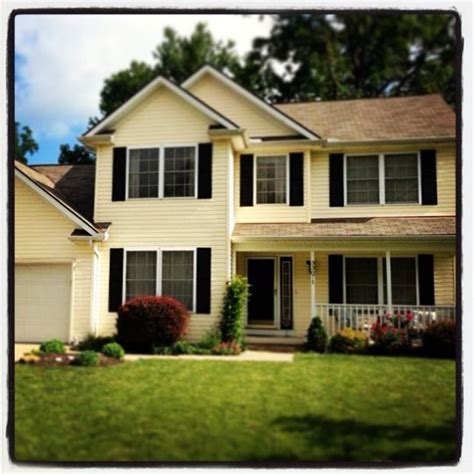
[[69, 188], [388, 118], [274, 112], [142, 94]]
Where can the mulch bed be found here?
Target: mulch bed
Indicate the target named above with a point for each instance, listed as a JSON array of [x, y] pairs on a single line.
[[62, 360]]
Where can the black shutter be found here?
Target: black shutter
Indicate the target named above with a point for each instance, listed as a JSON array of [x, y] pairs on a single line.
[[296, 179], [336, 180], [429, 187], [205, 171], [336, 291], [203, 283], [115, 279], [426, 279], [246, 180], [286, 319], [119, 167]]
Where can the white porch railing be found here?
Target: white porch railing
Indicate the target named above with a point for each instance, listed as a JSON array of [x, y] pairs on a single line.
[[361, 317]]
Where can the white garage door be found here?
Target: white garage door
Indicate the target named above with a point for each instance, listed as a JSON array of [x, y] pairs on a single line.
[[42, 302]]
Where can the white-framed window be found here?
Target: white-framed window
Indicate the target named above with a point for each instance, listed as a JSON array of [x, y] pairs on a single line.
[[365, 280], [383, 178], [162, 171], [166, 271], [271, 179]]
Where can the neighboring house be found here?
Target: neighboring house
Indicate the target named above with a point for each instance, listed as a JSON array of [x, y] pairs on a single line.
[[342, 209]]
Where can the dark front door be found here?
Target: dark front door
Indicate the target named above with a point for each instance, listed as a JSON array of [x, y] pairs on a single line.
[[261, 303]]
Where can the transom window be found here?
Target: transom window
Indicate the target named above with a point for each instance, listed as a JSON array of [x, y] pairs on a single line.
[[176, 163], [177, 274], [382, 178], [271, 179]]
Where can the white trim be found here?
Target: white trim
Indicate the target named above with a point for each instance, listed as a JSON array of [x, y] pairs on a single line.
[[255, 170], [146, 91], [60, 205], [388, 276], [274, 112]]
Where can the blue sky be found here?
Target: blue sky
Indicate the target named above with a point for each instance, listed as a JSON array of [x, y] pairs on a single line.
[[61, 62]]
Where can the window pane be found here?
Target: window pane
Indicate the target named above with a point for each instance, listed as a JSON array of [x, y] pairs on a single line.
[[362, 179], [178, 276], [401, 178], [180, 163], [271, 179], [140, 274], [403, 280], [361, 281], [143, 172]]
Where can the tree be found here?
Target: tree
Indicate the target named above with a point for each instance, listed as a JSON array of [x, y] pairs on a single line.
[[78, 155], [25, 144], [357, 55]]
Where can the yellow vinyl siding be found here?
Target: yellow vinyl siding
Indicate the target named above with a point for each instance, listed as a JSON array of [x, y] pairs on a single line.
[[169, 222], [238, 109], [41, 236], [278, 213], [446, 164], [444, 273]]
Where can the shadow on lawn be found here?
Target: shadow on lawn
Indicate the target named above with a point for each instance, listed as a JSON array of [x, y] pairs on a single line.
[[347, 440]]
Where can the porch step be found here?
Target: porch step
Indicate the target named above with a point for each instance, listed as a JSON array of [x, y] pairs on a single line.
[[274, 343]]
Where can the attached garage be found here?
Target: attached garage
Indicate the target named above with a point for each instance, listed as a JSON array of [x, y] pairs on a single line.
[[42, 302]]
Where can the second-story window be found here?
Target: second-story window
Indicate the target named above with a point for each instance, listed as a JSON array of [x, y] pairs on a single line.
[[401, 178], [362, 179], [180, 171], [271, 179], [143, 172]]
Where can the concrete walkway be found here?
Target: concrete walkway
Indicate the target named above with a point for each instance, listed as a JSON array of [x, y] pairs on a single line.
[[255, 356]]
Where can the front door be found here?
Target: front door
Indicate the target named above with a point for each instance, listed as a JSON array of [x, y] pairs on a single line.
[[261, 303]]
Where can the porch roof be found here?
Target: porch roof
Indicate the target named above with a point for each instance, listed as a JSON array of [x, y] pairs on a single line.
[[412, 228]]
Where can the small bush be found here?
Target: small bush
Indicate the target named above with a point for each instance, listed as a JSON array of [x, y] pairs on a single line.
[[227, 348], [389, 340], [53, 346], [348, 341], [186, 348], [235, 299], [210, 340], [317, 338], [113, 349], [94, 343], [439, 339], [162, 350], [145, 322], [88, 359]]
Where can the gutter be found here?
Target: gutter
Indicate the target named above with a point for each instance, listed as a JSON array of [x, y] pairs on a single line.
[[334, 142], [331, 238]]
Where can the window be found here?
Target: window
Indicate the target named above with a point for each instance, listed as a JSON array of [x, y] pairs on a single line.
[[177, 274], [403, 280], [362, 174], [143, 172], [271, 179], [361, 281], [140, 274], [177, 277], [180, 169], [401, 178]]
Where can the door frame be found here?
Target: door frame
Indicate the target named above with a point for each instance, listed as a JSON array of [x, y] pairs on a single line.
[[276, 292]]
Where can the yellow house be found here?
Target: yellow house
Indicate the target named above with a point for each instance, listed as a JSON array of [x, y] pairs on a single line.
[[342, 209]]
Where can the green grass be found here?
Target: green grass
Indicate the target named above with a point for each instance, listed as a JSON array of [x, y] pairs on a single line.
[[320, 408]]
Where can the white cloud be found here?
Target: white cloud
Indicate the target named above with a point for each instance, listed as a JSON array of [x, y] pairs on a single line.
[[65, 58]]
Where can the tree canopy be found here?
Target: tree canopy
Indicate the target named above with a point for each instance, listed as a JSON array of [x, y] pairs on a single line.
[[78, 155], [25, 144]]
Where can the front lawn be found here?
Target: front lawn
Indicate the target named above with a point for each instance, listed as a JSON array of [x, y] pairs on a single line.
[[330, 407]]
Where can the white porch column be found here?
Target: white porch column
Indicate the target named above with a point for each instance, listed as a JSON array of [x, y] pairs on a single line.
[[312, 284], [388, 266]]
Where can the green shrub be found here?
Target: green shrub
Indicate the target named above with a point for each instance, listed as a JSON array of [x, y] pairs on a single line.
[[162, 350], [227, 348], [184, 347], [210, 340], [94, 343], [316, 339], [53, 346], [348, 341], [235, 299], [88, 359], [439, 339], [113, 349]]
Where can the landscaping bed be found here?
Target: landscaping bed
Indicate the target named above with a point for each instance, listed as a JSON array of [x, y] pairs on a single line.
[[62, 360]]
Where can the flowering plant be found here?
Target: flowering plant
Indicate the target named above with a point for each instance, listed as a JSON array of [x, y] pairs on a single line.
[[392, 332]]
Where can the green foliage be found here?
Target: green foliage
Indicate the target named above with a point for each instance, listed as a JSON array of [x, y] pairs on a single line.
[[348, 341], [439, 339], [79, 155], [210, 339], [88, 359], [25, 144], [94, 343], [235, 299], [53, 346], [113, 349], [316, 339]]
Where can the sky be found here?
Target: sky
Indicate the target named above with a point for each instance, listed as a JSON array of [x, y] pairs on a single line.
[[61, 62]]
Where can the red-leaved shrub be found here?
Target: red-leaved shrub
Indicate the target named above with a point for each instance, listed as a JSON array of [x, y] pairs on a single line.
[[148, 321], [439, 339]]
